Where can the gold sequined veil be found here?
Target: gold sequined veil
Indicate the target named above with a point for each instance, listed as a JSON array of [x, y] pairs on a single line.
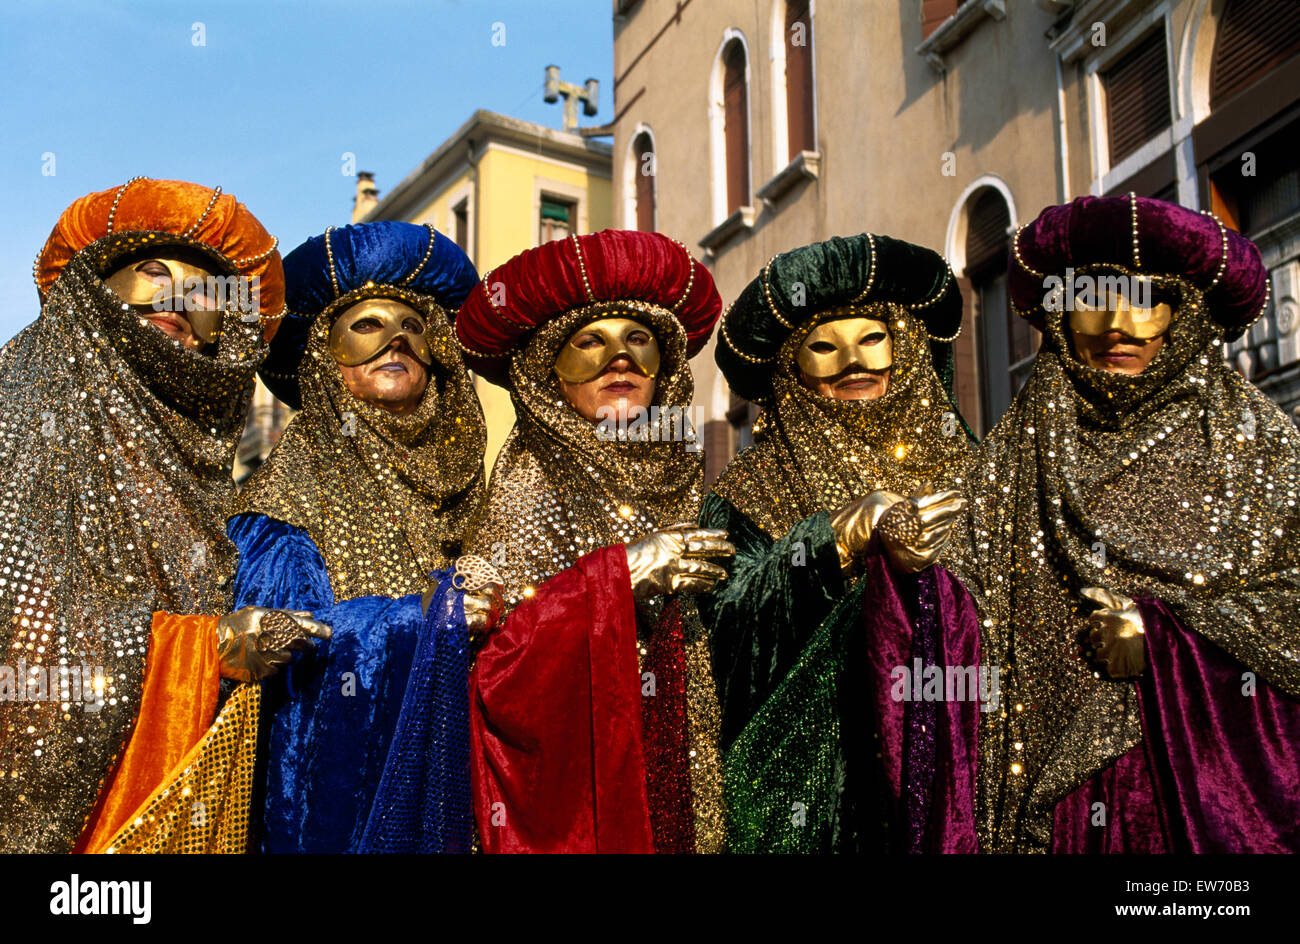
[[116, 445], [560, 490], [385, 498], [813, 453], [1179, 483]]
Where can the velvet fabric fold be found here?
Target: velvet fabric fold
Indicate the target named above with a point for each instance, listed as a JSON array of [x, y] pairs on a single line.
[[177, 704], [761, 617], [836, 761], [332, 715], [1218, 769], [558, 763], [423, 801]]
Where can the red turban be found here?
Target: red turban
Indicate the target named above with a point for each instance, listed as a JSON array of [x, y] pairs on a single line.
[[216, 220], [539, 284]]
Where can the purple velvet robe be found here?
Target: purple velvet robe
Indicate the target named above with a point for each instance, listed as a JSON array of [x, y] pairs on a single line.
[[1218, 769]]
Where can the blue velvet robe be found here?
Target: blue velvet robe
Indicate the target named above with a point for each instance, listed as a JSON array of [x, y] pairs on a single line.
[[368, 747]]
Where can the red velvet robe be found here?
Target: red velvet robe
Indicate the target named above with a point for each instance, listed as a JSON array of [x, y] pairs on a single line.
[[567, 753]]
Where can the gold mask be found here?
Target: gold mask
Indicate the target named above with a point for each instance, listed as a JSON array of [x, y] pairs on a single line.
[[1118, 313], [187, 290], [861, 341], [350, 348], [578, 365]]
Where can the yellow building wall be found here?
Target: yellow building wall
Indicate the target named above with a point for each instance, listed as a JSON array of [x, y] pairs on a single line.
[[507, 224], [438, 210]]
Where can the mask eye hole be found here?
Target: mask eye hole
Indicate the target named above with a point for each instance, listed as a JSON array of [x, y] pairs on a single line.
[[639, 338], [366, 326], [822, 347], [413, 325], [155, 272], [588, 341], [875, 337]]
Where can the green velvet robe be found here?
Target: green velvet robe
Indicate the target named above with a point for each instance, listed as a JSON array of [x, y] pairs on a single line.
[[821, 754], [782, 640]]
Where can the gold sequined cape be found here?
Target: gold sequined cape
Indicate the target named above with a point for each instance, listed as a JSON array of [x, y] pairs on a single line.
[[1179, 483], [560, 490], [116, 445], [778, 630], [814, 453], [386, 499]]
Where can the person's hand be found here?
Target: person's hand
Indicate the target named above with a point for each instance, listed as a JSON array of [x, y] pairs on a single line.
[[913, 532], [484, 594], [483, 608], [855, 524], [254, 642], [675, 560], [1116, 630]]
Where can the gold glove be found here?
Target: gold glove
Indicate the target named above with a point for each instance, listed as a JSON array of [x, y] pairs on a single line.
[[1117, 632], [672, 560], [254, 642], [855, 524], [913, 532], [484, 594]]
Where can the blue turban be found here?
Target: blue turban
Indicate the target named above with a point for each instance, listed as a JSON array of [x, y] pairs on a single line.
[[384, 253]]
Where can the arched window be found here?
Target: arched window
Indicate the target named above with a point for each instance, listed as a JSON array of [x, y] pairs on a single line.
[[801, 132], [1006, 343], [735, 123], [1254, 182], [643, 185], [794, 109]]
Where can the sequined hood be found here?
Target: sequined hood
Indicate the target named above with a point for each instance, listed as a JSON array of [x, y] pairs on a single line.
[[814, 453], [1181, 484], [116, 449], [562, 486], [386, 499]]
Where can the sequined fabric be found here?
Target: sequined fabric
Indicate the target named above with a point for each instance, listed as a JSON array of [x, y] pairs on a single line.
[[1180, 484], [204, 807], [387, 499], [664, 738], [921, 721], [704, 723], [813, 453], [558, 489], [116, 444], [422, 804]]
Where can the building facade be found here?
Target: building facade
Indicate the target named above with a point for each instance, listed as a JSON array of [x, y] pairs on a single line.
[[499, 186], [746, 129]]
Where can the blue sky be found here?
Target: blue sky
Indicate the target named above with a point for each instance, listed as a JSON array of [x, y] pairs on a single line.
[[267, 107]]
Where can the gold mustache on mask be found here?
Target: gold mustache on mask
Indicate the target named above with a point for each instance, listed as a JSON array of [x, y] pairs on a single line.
[[186, 290], [833, 346], [1115, 311], [579, 364], [350, 346]]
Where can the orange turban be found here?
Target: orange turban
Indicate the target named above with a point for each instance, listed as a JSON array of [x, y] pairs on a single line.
[[197, 214]]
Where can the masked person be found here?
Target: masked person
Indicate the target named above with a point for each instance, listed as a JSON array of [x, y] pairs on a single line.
[[371, 490], [122, 407], [833, 602], [1135, 549], [593, 721]]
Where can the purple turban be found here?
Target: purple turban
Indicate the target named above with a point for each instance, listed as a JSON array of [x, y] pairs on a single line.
[[1145, 237]]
